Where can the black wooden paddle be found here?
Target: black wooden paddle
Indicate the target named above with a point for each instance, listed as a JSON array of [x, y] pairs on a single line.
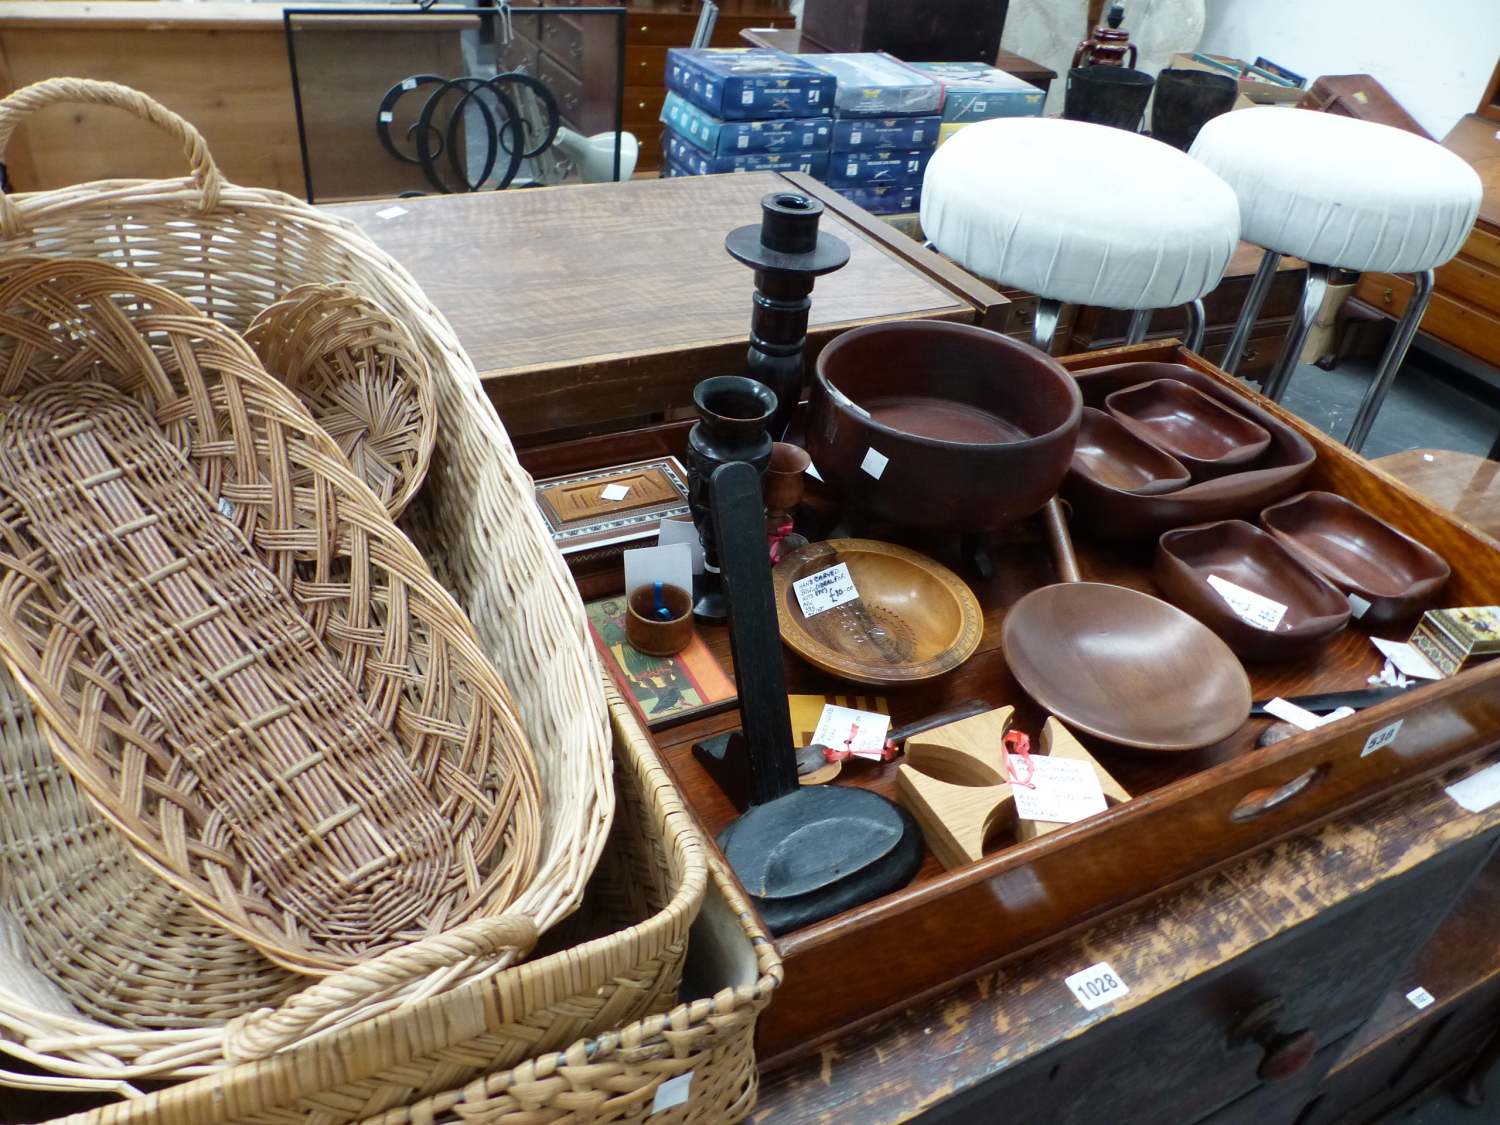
[[802, 853]]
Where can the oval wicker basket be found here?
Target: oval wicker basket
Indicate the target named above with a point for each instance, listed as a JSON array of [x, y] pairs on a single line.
[[362, 379], [232, 252]]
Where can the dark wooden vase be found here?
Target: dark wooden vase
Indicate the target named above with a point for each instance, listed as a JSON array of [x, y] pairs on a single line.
[[1107, 95], [1186, 100]]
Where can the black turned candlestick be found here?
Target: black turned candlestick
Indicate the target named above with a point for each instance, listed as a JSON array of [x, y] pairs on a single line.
[[787, 253]]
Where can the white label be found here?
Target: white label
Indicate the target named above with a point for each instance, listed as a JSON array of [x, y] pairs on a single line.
[[916, 136], [1259, 611], [1293, 714], [747, 97], [614, 492], [681, 531], [390, 213], [387, 117], [854, 137], [852, 170], [814, 95], [409, 84], [1407, 659], [824, 590], [862, 733], [1096, 986], [1383, 737], [744, 141], [1061, 790], [672, 1092], [1478, 792], [1358, 606], [1420, 998], [226, 509], [874, 462], [980, 104]]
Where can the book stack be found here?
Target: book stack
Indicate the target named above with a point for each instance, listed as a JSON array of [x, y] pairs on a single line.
[[745, 109], [975, 92], [884, 130], [1451, 638]]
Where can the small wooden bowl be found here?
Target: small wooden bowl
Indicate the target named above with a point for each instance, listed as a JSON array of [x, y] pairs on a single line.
[[1251, 559], [1110, 455], [1210, 439], [1358, 553], [659, 638], [914, 618]]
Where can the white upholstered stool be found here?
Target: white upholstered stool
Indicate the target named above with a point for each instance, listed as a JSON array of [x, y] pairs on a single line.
[[1343, 193], [1081, 213]]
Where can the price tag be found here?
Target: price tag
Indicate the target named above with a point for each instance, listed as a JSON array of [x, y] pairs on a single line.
[[672, 1092], [874, 463], [226, 509], [1479, 791], [825, 590], [387, 117], [614, 492], [1383, 737], [1096, 986], [1358, 606], [1420, 998], [390, 213], [408, 83], [1293, 714], [862, 733], [1259, 611], [1061, 790], [1408, 659]]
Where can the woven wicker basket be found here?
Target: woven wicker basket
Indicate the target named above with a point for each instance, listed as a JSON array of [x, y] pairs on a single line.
[[232, 251], [655, 863]]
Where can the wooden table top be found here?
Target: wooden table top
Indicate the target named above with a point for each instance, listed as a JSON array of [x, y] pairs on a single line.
[[939, 1049], [1477, 140], [624, 288]]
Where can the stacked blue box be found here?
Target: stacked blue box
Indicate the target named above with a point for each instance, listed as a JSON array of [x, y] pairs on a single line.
[[975, 92], [749, 83], [873, 84], [858, 134], [885, 199], [691, 160], [878, 166], [789, 134]]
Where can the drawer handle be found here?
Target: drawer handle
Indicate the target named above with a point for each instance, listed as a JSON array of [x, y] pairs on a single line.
[[1258, 802], [1390, 296], [1286, 1052]]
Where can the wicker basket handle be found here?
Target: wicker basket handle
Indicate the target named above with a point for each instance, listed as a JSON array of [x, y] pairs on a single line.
[[261, 1033], [56, 91]]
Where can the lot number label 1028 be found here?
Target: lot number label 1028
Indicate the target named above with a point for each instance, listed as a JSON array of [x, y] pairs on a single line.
[[1096, 986]]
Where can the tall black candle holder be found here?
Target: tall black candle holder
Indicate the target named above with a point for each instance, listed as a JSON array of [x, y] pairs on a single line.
[[788, 253]]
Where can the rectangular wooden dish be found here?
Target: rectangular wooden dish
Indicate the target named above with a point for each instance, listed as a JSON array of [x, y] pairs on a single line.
[[1191, 813]]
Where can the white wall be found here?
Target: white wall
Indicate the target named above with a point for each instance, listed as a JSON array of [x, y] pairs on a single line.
[[1434, 56]]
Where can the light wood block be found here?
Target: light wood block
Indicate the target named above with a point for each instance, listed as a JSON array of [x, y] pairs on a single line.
[[953, 783]]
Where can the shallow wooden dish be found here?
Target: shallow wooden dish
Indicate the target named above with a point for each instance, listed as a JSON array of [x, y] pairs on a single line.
[[1122, 665], [914, 618], [1115, 516], [1358, 553], [1112, 456], [1250, 558], [1207, 437]]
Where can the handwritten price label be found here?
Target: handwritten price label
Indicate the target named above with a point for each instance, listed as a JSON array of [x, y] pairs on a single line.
[[824, 590], [1096, 986], [1259, 611]]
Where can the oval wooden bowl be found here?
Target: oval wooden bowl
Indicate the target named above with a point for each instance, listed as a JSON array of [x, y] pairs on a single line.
[[1127, 667], [1209, 438], [914, 618], [1110, 455], [1250, 558], [1358, 553], [1115, 516]]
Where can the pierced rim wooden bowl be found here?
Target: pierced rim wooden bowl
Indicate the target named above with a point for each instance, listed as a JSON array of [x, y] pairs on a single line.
[[914, 618]]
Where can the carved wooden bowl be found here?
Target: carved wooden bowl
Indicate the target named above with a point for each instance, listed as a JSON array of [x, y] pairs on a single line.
[[1112, 456], [942, 426], [1248, 557], [914, 618], [1360, 554], [1210, 439], [1117, 516]]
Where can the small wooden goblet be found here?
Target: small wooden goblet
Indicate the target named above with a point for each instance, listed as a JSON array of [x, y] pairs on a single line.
[[651, 636]]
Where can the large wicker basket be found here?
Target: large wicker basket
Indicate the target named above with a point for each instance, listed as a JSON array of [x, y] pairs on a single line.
[[443, 1047], [232, 251]]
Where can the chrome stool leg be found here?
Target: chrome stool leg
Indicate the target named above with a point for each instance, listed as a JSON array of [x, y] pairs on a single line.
[[1140, 324], [1044, 327], [1253, 301], [1291, 350], [1194, 341], [1390, 363]]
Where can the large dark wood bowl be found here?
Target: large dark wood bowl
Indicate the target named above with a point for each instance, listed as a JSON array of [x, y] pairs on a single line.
[[1207, 437], [1115, 458], [1358, 553], [1245, 555], [976, 429], [1116, 516], [914, 618]]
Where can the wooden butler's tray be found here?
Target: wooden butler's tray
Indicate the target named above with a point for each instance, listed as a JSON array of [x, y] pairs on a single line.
[[1192, 812]]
